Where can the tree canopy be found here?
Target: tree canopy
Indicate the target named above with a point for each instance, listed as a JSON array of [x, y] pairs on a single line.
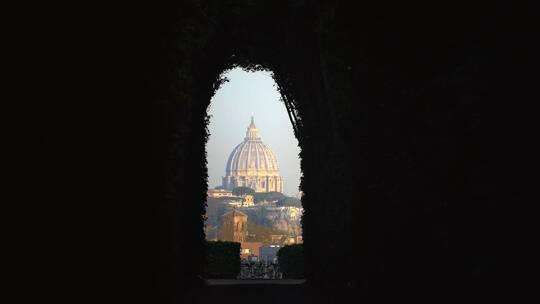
[[243, 191], [289, 202], [268, 196], [261, 233]]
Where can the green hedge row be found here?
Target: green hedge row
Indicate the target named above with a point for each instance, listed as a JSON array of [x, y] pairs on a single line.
[[222, 260], [291, 261]]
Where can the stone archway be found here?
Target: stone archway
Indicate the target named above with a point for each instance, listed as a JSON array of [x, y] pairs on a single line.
[[297, 69], [404, 134]]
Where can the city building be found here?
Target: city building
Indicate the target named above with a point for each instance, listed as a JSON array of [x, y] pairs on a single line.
[[234, 227], [250, 250], [277, 238], [235, 203], [252, 164], [289, 240], [246, 201], [218, 193], [269, 254]]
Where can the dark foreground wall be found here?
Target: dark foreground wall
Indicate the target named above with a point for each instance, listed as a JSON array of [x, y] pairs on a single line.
[[409, 120]]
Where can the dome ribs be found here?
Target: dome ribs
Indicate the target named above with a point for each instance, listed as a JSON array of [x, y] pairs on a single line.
[[252, 162]]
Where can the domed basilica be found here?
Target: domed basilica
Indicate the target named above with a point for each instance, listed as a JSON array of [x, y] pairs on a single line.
[[252, 164]]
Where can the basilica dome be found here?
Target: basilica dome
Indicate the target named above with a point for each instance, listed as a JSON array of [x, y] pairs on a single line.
[[252, 164]]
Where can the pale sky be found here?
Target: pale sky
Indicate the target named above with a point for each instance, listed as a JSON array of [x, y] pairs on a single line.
[[231, 109]]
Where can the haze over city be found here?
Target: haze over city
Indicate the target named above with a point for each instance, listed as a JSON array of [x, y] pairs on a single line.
[[231, 108]]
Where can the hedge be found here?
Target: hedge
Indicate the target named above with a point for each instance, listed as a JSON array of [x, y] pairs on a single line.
[[291, 261], [222, 260]]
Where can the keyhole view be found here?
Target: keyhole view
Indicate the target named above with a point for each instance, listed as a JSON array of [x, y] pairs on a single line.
[[253, 216], [292, 151]]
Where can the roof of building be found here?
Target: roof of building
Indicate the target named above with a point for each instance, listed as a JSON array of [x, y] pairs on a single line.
[[234, 213], [252, 155], [219, 191]]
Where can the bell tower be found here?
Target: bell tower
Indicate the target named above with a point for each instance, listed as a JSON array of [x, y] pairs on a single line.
[[234, 226]]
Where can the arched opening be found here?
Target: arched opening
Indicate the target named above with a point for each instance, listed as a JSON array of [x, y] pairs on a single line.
[[253, 163], [410, 153]]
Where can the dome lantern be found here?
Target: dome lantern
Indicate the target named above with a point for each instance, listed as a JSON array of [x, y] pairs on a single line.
[[252, 132]]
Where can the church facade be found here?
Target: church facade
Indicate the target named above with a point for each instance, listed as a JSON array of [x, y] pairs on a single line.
[[252, 164]]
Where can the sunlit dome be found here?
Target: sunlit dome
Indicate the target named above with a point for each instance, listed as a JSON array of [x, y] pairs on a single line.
[[253, 164]]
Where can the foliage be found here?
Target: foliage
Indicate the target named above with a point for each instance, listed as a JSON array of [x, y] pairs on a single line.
[[243, 191], [289, 202], [222, 259], [291, 261], [214, 209], [268, 196], [257, 216], [261, 233]]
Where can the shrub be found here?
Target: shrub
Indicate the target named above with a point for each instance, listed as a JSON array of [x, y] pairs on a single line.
[[291, 261], [222, 260]]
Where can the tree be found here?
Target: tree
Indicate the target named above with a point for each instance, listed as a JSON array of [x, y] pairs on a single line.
[[289, 201], [268, 196], [258, 216], [261, 233], [243, 191]]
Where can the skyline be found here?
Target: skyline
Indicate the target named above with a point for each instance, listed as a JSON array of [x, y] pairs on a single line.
[[230, 110]]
